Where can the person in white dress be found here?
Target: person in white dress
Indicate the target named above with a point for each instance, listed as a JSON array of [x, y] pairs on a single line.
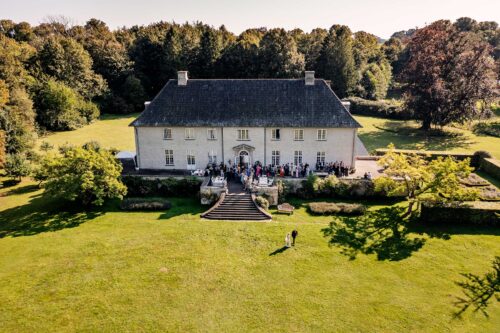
[[287, 240]]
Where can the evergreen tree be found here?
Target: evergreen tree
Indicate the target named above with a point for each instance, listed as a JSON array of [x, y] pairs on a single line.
[[336, 60]]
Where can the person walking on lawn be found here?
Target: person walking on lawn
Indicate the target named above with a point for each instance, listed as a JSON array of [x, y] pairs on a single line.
[[287, 240], [294, 235]]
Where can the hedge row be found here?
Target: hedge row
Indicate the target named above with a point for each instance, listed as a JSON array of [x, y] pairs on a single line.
[[145, 204], [383, 109], [163, 187], [467, 213], [328, 208]]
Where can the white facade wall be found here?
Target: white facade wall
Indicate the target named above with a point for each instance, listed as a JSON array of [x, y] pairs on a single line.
[[150, 146]]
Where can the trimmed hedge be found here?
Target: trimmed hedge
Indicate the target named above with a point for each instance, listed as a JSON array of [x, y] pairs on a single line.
[[329, 208], [145, 204], [164, 187], [467, 213], [383, 109]]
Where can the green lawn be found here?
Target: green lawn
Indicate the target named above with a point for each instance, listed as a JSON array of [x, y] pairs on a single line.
[[378, 133], [112, 131], [110, 271], [63, 269]]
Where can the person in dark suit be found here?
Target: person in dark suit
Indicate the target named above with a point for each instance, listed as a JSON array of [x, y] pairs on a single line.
[[294, 235]]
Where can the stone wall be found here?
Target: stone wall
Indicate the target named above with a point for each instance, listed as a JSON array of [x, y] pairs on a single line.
[[491, 166], [210, 194]]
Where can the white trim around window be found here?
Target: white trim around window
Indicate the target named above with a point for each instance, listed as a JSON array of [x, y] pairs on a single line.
[[297, 157], [321, 135], [189, 133], [167, 134], [191, 160], [275, 157], [298, 134], [321, 157], [275, 134], [211, 134], [243, 135], [169, 157]]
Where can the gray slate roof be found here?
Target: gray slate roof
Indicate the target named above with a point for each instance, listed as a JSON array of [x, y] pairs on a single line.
[[246, 103]]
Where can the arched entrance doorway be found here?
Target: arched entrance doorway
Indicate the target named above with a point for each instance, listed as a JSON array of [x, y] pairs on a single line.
[[244, 159]]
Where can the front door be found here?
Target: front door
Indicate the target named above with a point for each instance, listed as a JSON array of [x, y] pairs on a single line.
[[244, 158]]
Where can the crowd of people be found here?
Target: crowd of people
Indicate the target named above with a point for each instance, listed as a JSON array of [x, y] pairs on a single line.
[[257, 170]]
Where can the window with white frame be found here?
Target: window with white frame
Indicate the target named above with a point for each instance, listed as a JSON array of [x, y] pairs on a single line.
[[169, 157], [212, 134], [275, 134], [167, 134], [243, 135], [298, 135], [297, 157], [322, 135], [189, 133], [275, 157], [212, 157], [190, 158], [321, 157]]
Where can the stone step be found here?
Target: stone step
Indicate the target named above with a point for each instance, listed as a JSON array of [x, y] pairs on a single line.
[[237, 207]]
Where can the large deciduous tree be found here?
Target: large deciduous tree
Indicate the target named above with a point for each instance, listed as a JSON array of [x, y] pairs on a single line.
[[87, 175], [61, 108], [65, 60], [421, 180], [448, 73], [336, 60], [278, 56]]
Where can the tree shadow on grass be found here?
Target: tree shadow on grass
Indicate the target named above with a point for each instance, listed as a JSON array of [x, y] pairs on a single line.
[[278, 251], [408, 137], [183, 206], [42, 214], [383, 232]]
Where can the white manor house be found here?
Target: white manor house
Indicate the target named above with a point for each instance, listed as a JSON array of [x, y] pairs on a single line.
[[192, 123]]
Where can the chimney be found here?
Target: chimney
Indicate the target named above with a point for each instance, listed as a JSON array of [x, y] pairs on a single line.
[[182, 78], [309, 78], [346, 104], [146, 104]]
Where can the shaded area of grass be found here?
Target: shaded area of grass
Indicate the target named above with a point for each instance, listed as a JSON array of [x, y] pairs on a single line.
[[378, 133], [383, 232]]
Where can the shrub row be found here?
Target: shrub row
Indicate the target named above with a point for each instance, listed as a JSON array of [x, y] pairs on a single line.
[[331, 186], [492, 129], [468, 213], [179, 187], [383, 109], [145, 204], [328, 208]]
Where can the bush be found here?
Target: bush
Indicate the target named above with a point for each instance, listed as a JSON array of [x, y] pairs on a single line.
[[381, 108], [328, 208], [478, 156], [145, 204], [492, 129], [262, 202], [470, 213], [180, 187]]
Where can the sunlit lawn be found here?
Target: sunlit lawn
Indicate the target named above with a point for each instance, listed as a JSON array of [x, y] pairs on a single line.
[[63, 270]]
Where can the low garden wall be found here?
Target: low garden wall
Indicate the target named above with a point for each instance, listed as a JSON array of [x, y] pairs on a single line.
[[491, 166], [430, 153], [467, 213], [210, 194]]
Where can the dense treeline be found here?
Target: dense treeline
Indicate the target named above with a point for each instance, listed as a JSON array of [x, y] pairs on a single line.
[[59, 77]]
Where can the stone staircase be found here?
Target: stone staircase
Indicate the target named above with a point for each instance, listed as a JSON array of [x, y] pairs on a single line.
[[236, 206]]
